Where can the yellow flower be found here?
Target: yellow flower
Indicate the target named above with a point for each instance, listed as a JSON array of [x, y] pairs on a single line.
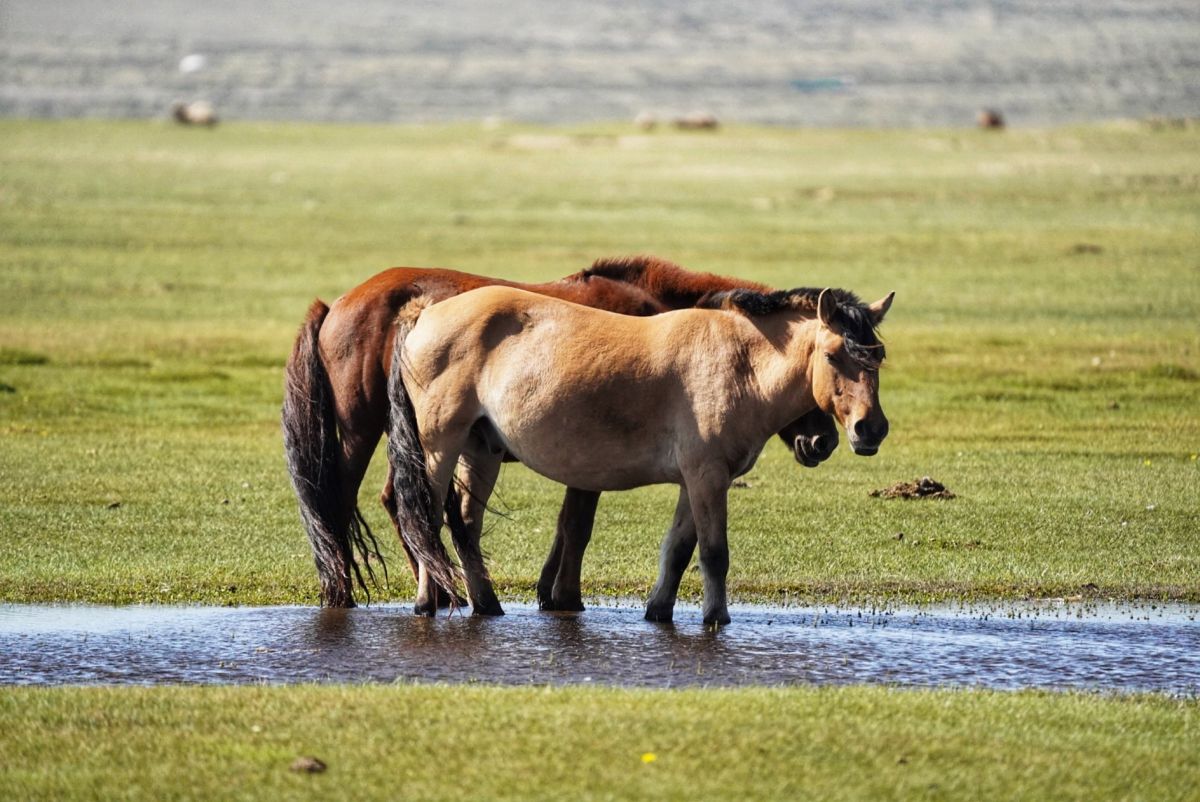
[[1146, 462], [649, 757]]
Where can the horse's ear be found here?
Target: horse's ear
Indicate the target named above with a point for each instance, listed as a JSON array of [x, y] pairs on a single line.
[[880, 308], [827, 310]]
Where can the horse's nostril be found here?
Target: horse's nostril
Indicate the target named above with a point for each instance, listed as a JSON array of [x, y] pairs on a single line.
[[863, 430], [821, 443]]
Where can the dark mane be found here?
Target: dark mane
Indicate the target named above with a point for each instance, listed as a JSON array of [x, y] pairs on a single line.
[[858, 327], [671, 284]]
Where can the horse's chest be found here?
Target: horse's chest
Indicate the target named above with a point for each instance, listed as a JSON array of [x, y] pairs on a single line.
[[743, 465]]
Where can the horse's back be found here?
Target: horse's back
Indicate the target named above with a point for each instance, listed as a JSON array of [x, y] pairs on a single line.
[[496, 318]]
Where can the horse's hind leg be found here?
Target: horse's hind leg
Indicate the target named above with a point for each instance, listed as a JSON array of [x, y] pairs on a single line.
[[558, 586], [545, 585], [477, 471], [356, 455], [441, 457], [444, 598], [677, 549]]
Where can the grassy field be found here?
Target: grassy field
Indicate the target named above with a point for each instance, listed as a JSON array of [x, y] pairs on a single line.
[[488, 743], [1044, 363], [1044, 358]]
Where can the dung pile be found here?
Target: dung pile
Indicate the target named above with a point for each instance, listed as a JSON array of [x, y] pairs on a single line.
[[924, 487]]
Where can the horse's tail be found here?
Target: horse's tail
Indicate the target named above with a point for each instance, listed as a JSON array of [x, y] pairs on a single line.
[[310, 440], [419, 518]]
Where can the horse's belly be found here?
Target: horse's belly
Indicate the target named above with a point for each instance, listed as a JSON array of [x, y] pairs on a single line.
[[589, 475], [589, 457]]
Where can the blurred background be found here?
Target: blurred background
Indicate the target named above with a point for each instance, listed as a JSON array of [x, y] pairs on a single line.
[[788, 62]]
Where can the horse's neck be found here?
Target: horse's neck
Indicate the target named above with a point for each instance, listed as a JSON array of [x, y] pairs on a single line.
[[781, 353]]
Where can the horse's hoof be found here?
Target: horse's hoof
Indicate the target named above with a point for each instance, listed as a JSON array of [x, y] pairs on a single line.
[[661, 613], [545, 600], [572, 605], [492, 608], [425, 609], [716, 619]]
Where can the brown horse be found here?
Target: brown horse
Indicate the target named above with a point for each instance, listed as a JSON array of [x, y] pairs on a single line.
[[607, 402], [336, 409]]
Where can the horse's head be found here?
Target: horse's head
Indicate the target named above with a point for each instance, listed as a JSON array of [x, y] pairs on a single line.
[[812, 438], [845, 368]]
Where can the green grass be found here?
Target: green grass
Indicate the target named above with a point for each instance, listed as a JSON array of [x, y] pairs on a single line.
[[1043, 348], [452, 743]]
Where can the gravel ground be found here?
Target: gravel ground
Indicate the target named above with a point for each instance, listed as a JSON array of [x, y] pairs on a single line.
[[793, 62]]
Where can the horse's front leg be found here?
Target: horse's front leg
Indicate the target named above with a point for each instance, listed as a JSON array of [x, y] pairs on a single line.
[[676, 553], [478, 469], [558, 587], [708, 493]]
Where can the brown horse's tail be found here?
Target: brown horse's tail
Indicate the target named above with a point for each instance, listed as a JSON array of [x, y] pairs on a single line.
[[310, 441], [418, 516]]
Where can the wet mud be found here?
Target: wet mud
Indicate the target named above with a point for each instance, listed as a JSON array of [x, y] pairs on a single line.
[[1059, 646], [924, 487]]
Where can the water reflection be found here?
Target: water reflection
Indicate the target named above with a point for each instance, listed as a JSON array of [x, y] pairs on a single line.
[[1015, 646]]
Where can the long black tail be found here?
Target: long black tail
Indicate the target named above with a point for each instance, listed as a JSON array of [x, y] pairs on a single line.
[[419, 517], [310, 439]]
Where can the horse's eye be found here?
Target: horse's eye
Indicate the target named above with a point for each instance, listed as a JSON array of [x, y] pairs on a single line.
[[829, 358]]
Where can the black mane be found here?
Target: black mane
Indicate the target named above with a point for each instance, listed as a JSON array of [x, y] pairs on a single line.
[[626, 268], [858, 326]]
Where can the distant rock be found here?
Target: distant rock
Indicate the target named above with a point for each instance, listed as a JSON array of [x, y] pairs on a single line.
[[989, 119], [697, 121], [197, 112], [309, 765]]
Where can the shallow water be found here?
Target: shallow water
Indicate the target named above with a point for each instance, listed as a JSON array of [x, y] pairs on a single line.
[[1047, 645]]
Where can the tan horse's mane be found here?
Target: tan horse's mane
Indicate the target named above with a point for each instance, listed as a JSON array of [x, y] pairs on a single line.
[[678, 287], [853, 316]]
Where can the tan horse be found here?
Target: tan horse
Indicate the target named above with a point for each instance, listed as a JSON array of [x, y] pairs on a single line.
[[604, 402]]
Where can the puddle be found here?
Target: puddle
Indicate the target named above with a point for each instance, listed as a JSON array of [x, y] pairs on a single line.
[[1008, 646]]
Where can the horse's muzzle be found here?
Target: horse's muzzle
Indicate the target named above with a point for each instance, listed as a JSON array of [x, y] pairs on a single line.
[[812, 451], [866, 438]]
